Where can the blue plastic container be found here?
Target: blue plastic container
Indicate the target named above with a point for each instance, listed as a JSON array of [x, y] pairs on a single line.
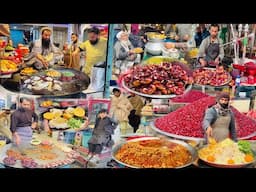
[[69, 137], [86, 136], [65, 166]]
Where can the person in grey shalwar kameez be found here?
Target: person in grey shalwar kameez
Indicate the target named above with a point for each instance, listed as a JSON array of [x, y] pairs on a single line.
[[101, 135], [124, 54], [219, 120], [43, 53]]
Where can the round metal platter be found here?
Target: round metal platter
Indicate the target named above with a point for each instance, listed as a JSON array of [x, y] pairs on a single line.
[[79, 83], [247, 137], [191, 149], [229, 79], [187, 137], [161, 60], [8, 72], [219, 165], [154, 96], [223, 84], [61, 156], [174, 135]]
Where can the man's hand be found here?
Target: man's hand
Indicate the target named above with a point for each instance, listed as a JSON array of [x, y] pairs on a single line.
[[202, 62], [34, 125], [74, 53], [209, 132], [217, 61], [43, 60], [45, 63], [131, 52], [16, 138]]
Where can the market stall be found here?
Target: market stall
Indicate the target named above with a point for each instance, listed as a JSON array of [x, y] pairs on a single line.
[[168, 75], [42, 152]]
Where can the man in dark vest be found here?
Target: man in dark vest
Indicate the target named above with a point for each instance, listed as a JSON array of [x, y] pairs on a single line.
[[211, 51]]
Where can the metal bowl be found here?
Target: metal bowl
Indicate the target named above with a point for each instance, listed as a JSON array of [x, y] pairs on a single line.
[[188, 88], [154, 48], [219, 165], [155, 37], [191, 149], [226, 165], [223, 84]]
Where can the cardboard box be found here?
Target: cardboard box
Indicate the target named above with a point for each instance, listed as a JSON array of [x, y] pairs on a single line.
[[242, 105]]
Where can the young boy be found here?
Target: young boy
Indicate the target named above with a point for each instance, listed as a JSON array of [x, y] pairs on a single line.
[[101, 135]]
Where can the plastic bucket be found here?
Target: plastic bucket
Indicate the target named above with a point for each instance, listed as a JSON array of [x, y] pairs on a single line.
[[86, 136]]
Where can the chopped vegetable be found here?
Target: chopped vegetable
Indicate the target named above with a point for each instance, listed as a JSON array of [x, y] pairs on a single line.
[[68, 74], [244, 146], [75, 123]]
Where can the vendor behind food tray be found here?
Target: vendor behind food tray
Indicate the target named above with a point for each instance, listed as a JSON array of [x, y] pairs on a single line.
[[44, 52], [124, 54], [219, 120], [23, 121], [211, 51]]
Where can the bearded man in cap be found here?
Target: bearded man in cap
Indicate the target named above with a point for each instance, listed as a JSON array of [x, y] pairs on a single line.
[[44, 50], [95, 49], [219, 120]]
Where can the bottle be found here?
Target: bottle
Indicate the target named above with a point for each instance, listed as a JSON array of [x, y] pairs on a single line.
[[238, 80], [237, 84], [49, 133], [60, 136]]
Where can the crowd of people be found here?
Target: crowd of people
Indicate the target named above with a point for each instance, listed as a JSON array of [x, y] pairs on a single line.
[[77, 55], [83, 56], [125, 110]]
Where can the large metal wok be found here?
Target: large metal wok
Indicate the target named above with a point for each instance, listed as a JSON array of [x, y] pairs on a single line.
[[191, 150], [60, 155], [222, 165], [79, 82]]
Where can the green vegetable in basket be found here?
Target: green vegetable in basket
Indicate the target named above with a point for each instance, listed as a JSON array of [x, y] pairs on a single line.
[[245, 146], [75, 123]]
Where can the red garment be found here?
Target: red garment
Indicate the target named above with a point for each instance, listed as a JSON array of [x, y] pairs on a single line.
[[135, 29]]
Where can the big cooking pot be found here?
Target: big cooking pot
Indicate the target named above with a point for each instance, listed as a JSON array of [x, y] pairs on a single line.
[[154, 47]]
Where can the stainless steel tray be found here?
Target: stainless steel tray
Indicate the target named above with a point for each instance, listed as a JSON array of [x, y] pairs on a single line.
[[79, 83], [190, 138], [61, 156], [221, 85], [154, 96], [152, 124], [191, 149], [219, 165]]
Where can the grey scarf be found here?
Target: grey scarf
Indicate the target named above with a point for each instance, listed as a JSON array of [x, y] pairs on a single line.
[[221, 111]]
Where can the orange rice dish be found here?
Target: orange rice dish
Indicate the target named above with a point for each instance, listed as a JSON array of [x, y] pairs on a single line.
[[154, 154]]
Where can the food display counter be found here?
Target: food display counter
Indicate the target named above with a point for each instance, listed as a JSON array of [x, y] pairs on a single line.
[[42, 152]]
